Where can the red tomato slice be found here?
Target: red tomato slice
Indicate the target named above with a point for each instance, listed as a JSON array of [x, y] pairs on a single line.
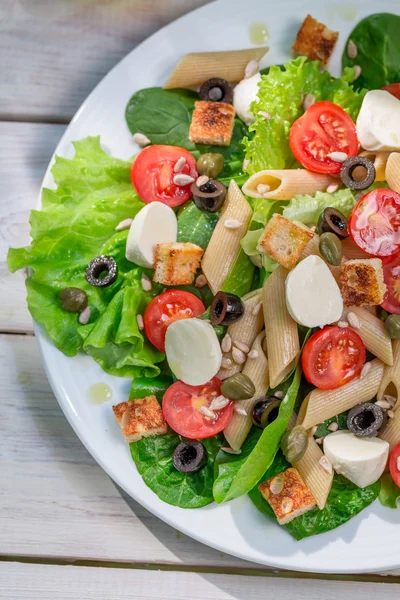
[[394, 89], [333, 357], [374, 223], [152, 174], [324, 128], [166, 308], [393, 466], [391, 276], [181, 404]]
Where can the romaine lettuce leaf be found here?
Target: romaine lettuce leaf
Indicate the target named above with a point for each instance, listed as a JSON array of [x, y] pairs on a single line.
[[389, 494], [307, 209]]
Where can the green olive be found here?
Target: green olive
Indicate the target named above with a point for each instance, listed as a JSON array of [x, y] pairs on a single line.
[[392, 326], [294, 444], [331, 248], [210, 164], [238, 387], [73, 299]]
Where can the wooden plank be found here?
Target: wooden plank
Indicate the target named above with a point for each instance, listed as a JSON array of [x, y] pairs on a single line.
[[70, 46], [25, 151], [46, 582], [55, 500]]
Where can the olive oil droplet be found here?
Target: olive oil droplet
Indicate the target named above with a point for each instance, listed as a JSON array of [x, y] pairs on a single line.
[[99, 393], [258, 33]]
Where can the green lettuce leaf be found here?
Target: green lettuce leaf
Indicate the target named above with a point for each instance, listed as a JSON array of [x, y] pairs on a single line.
[[195, 225], [307, 209], [389, 494]]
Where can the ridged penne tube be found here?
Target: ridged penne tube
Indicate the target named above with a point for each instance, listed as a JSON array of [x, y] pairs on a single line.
[[390, 383], [372, 332], [324, 404], [392, 173], [317, 479], [257, 369], [285, 183], [245, 330], [195, 68], [352, 251], [224, 244], [379, 159], [283, 346]]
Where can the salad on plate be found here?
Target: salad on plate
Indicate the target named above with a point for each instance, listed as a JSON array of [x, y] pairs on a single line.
[[243, 270]]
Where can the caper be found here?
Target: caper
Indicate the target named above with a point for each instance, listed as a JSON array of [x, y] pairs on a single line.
[[210, 164], [294, 444], [392, 326], [73, 299], [331, 248], [238, 387]]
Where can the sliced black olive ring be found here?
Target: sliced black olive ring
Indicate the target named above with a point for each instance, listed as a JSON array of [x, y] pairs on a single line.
[[226, 309], [210, 196], [333, 221], [217, 90], [265, 411], [190, 456], [348, 168], [365, 420], [101, 271]]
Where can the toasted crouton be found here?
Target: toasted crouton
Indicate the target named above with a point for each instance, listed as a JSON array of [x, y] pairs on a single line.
[[315, 40], [287, 495], [176, 263], [284, 241], [361, 282], [212, 123], [140, 418]]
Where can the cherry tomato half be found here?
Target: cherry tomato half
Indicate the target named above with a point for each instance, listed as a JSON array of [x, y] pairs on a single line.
[[394, 89], [166, 308], [374, 223], [332, 357], [391, 276], [393, 465], [324, 128], [152, 174], [181, 404]]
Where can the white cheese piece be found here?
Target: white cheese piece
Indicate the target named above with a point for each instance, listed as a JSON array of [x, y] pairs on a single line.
[[361, 460], [313, 297], [378, 122], [155, 224], [243, 95], [193, 351]]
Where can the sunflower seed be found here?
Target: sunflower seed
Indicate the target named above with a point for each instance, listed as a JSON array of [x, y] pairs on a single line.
[[326, 464], [84, 316], [232, 224], [226, 363], [343, 324], [245, 163], [265, 114], [253, 354], [125, 224], [202, 180], [309, 100], [287, 505], [319, 440], [276, 484], [219, 403], [239, 410], [243, 347], [181, 179], [238, 356], [207, 412], [140, 323], [251, 69], [226, 343], [256, 309], [390, 414], [146, 283], [141, 140], [352, 49], [313, 430], [180, 163], [230, 450], [333, 426], [279, 394], [354, 320], [357, 71], [339, 157], [263, 188], [331, 189], [391, 399], [201, 281], [383, 404], [365, 370]]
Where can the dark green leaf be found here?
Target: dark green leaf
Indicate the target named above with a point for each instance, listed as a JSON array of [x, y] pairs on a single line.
[[195, 225], [322, 429], [143, 386], [389, 494]]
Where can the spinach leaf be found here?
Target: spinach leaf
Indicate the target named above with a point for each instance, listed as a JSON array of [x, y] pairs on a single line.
[[389, 494], [344, 502], [378, 51], [195, 225], [143, 386], [241, 275], [153, 459], [232, 482]]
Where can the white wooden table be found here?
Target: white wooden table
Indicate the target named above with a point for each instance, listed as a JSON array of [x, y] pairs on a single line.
[[66, 530]]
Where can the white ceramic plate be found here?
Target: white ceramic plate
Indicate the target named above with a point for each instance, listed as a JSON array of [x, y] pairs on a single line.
[[369, 542]]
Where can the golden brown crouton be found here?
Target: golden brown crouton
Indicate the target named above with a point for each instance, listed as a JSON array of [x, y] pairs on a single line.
[[287, 495], [176, 263], [212, 123], [140, 418], [361, 282], [284, 241], [315, 40]]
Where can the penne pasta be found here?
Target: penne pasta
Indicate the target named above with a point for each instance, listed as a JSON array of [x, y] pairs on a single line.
[[285, 183], [257, 369], [237, 212], [372, 332], [282, 337], [379, 159], [245, 330], [390, 383], [195, 68], [392, 173], [317, 479], [352, 251], [324, 404]]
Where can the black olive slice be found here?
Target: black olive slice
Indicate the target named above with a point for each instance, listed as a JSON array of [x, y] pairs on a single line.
[[333, 221], [365, 419], [347, 172], [101, 271], [210, 196], [190, 456], [226, 309], [265, 411], [217, 90]]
